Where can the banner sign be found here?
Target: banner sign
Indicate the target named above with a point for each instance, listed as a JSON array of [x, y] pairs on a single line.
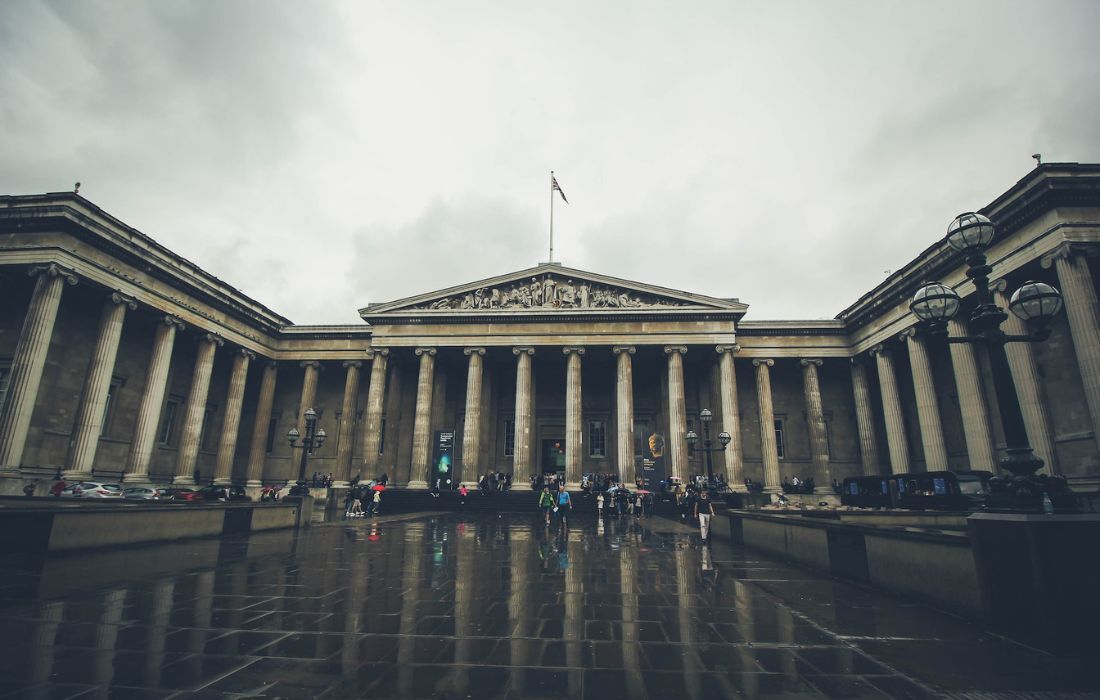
[[443, 460]]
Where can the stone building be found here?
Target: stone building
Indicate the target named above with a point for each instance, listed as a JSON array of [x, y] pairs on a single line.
[[120, 358]]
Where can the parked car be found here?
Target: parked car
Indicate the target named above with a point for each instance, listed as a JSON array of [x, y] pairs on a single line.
[[218, 493], [146, 493], [98, 489], [182, 494]]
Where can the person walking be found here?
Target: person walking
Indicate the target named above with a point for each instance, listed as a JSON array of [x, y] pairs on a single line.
[[546, 503], [599, 505], [376, 504], [704, 508], [462, 491], [564, 503]]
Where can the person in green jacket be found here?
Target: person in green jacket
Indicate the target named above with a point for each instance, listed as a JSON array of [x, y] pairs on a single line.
[[546, 503]]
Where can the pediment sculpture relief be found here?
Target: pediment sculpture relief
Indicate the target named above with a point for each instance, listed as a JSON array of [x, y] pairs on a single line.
[[548, 292]]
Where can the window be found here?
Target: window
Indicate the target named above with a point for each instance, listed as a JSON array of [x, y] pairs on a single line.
[[167, 433], [272, 426], [779, 449], [5, 380], [204, 433], [108, 407], [597, 438], [509, 438]]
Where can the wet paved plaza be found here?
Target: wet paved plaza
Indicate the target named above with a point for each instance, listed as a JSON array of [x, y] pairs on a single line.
[[451, 606]]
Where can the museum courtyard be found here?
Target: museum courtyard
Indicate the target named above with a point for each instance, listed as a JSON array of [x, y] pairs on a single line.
[[453, 605]]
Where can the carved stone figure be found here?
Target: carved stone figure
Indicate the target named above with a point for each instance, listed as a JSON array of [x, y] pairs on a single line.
[[582, 295], [549, 297], [536, 292], [566, 294]]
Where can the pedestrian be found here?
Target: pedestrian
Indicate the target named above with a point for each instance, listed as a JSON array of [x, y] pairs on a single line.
[[704, 508], [546, 503], [355, 510], [57, 488], [349, 498], [462, 491], [564, 502], [599, 505], [376, 504], [29, 488]]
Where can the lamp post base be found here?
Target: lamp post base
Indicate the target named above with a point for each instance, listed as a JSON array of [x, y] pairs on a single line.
[[1025, 494]]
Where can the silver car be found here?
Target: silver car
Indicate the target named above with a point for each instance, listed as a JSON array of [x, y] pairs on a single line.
[[145, 493]]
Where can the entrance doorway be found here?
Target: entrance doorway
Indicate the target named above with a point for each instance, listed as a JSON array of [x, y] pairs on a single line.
[[553, 458]]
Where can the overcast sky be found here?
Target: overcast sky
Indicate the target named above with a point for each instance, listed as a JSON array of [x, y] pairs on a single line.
[[323, 155]]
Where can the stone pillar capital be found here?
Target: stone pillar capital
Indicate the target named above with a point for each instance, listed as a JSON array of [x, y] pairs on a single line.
[[54, 270], [373, 352], [352, 363], [310, 363], [246, 353], [1067, 251], [212, 338], [117, 297], [628, 349], [430, 352], [806, 362], [908, 333], [999, 285], [731, 349], [173, 320], [471, 351], [768, 362], [520, 350], [880, 349], [570, 349], [682, 349]]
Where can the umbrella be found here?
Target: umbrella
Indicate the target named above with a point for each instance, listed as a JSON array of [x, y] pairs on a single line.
[[378, 487], [643, 492]]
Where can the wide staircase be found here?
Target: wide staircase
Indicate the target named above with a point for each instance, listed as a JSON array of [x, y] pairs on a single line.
[[399, 500]]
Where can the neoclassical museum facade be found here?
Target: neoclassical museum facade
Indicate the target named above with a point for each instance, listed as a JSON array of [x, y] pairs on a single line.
[[121, 359]]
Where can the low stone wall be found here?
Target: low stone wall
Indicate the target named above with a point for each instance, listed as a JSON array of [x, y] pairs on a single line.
[[933, 566], [58, 526]]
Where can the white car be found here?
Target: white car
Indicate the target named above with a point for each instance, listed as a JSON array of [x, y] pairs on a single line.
[[92, 489], [145, 493]]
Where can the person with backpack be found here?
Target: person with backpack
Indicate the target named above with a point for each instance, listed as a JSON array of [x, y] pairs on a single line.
[[546, 503]]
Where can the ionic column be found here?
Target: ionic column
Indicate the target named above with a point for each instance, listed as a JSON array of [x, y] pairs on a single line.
[[677, 410], [574, 418], [195, 409], [865, 422], [521, 459], [422, 424], [376, 404], [732, 457], [471, 433], [624, 409], [975, 415], [769, 451], [347, 423], [928, 409], [819, 441], [152, 400], [891, 408], [231, 424], [89, 416], [28, 363], [1025, 375], [257, 452], [1079, 295], [311, 371]]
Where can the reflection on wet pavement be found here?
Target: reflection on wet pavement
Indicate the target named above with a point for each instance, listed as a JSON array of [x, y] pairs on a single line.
[[482, 606]]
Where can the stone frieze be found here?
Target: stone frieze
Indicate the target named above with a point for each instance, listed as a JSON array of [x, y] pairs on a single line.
[[548, 292]]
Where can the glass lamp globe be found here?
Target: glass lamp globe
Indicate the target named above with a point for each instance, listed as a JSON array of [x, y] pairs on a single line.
[[691, 437], [1036, 301], [935, 302], [321, 435], [705, 415], [311, 415], [970, 231], [724, 438], [293, 435]]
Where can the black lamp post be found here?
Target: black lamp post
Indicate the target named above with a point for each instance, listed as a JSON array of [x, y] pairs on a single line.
[[705, 418], [1036, 303], [313, 439]]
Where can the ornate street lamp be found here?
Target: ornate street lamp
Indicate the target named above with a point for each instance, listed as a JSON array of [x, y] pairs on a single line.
[[1036, 303], [314, 438], [705, 417]]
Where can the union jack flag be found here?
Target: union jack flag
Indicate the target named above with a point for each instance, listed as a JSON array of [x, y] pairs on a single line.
[[555, 186]]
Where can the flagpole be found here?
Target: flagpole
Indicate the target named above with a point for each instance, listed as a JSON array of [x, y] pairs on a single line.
[[551, 216]]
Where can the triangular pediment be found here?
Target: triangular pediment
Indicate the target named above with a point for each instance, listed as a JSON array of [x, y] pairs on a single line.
[[550, 288]]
